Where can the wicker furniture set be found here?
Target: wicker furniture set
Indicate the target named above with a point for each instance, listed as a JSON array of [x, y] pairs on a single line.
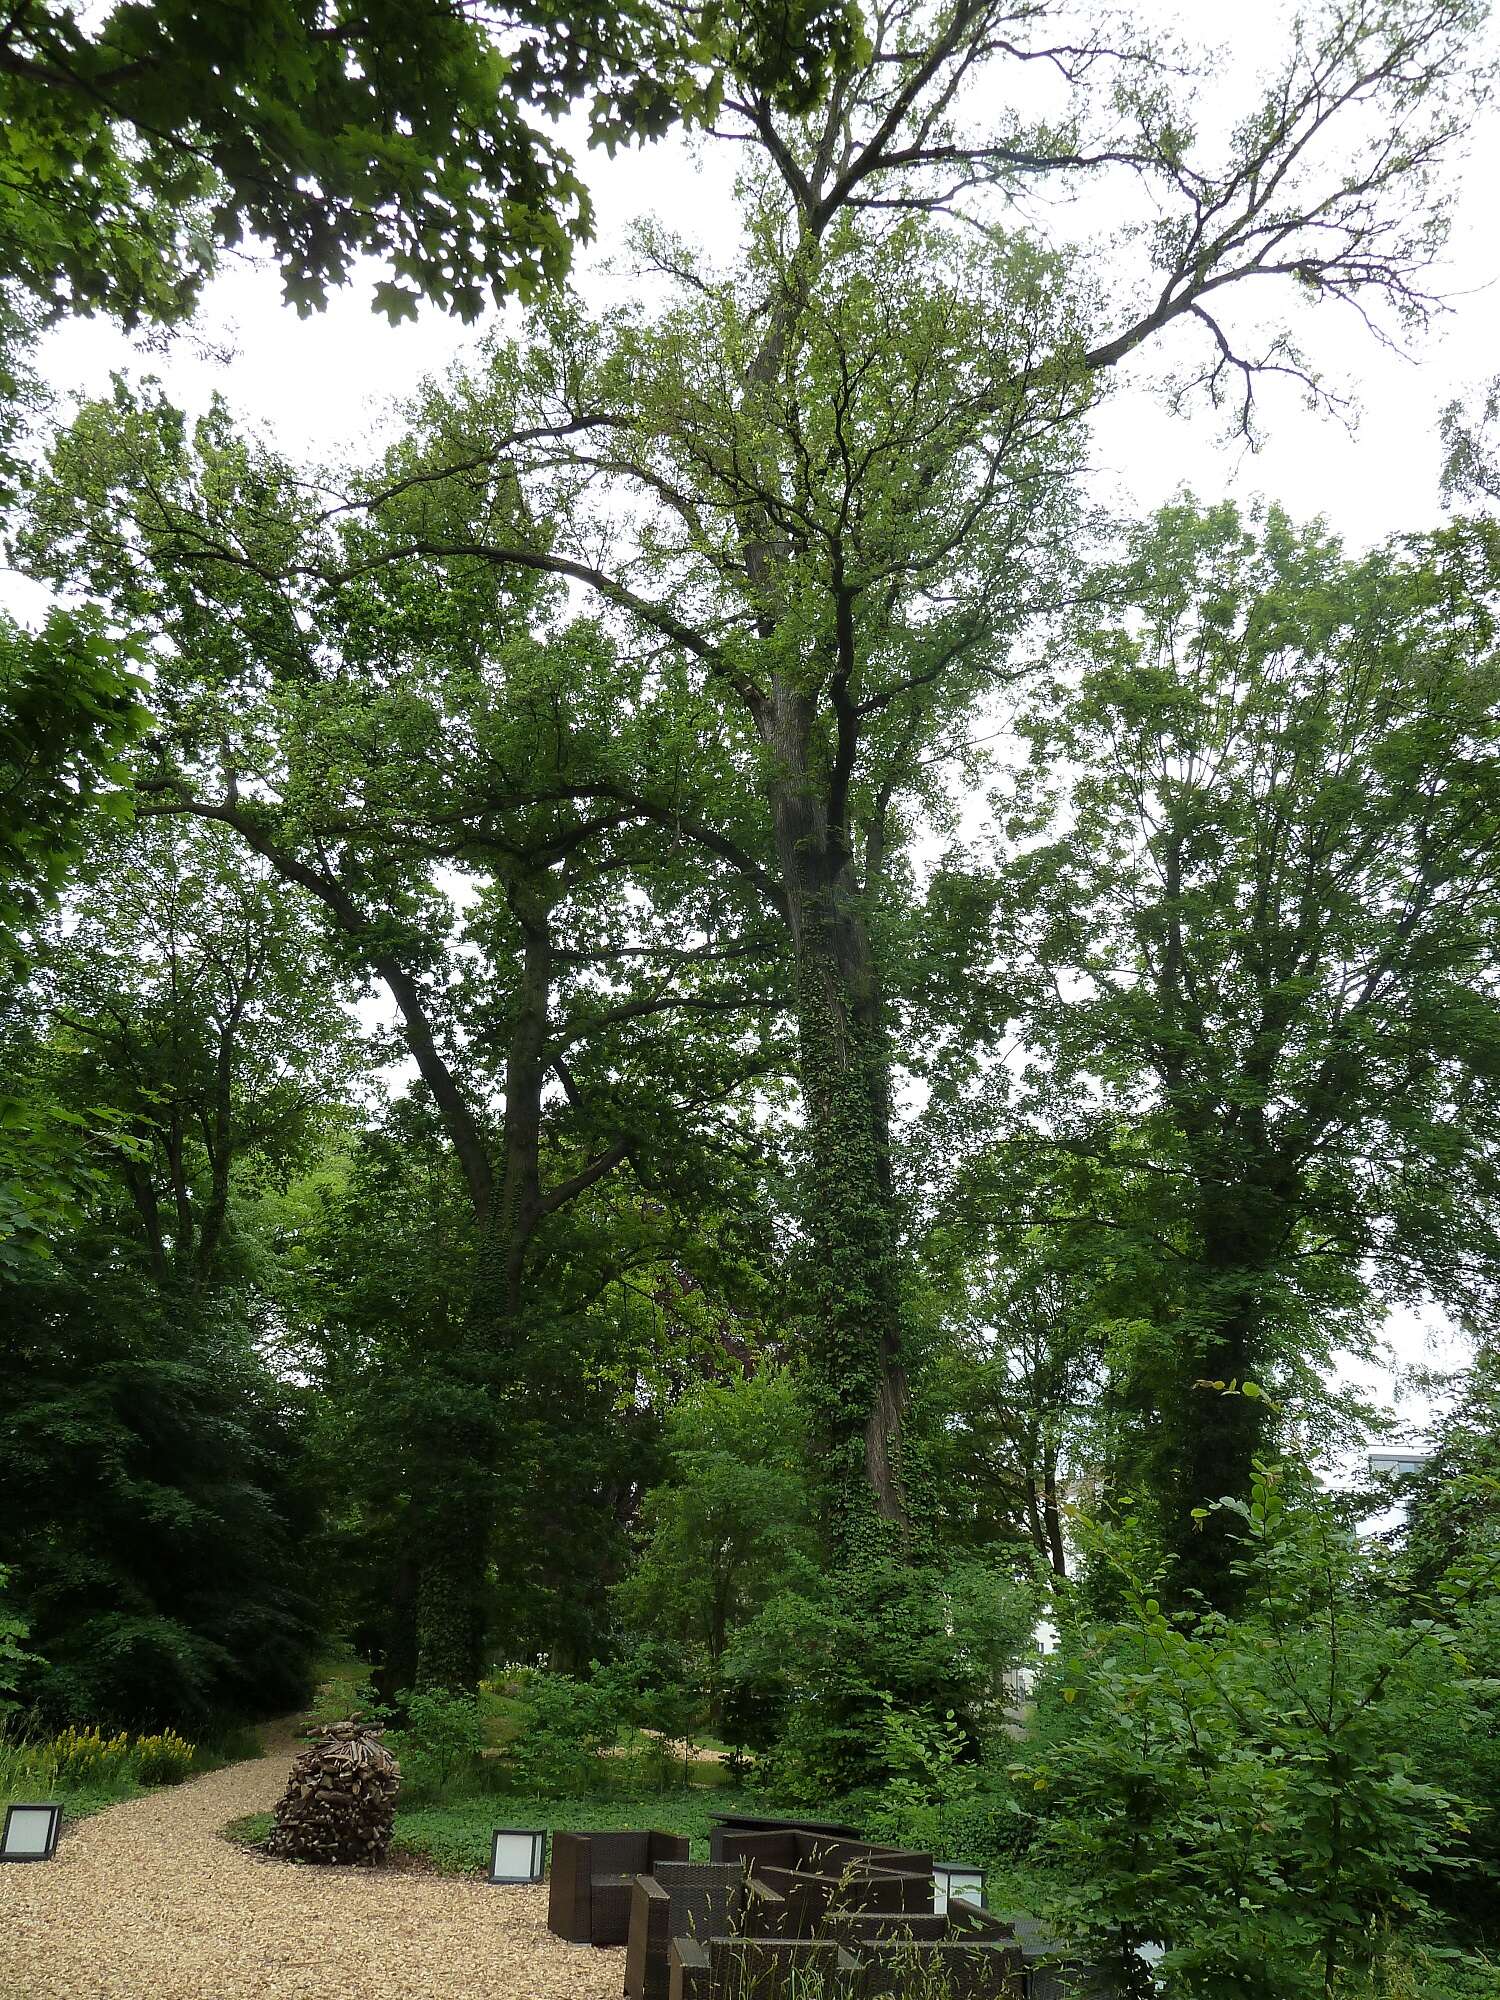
[[781, 1910], [588, 1901]]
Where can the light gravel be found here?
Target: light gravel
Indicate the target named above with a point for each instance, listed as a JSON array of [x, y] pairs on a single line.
[[147, 1902]]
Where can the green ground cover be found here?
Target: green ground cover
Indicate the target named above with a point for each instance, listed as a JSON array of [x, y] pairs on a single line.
[[455, 1834], [86, 1784]]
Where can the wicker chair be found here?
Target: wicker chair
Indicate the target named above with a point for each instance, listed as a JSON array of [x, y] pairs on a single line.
[[680, 1899], [816, 1853], [959, 1922], [958, 1969], [741, 1968], [725, 1823], [1053, 1971], [588, 1898], [812, 1899], [853, 1927]]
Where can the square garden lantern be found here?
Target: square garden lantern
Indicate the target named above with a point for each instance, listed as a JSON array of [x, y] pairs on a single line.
[[30, 1832], [518, 1854], [956, 1881]]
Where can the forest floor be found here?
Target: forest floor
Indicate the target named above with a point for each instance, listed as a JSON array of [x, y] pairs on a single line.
[[146, 1901]]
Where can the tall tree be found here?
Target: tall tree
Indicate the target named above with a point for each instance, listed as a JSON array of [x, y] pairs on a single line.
[[139, 141], [431, 754], [189, 995], [1259, 913], [150, 1479], [825, 472]]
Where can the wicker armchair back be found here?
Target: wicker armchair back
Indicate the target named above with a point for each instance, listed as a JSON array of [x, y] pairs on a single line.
[[782, 1969], [727, 1822], [897, 1968], [958, 1923], [833, 1857], [588, 1896], [692, 1899], [811, 1898]]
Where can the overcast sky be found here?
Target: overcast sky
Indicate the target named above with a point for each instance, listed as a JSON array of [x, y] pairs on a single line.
[[318, 386]]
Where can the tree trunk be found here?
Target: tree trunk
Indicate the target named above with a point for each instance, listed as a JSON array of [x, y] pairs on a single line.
[[856, 1375], [466, 1510], [1052, 1514], [1219, 1431], [450, 1601]]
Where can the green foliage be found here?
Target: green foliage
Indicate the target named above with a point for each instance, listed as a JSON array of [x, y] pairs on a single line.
[[249, 1830], [88, 1768], [1252, 882], [150, 1502], [70, 709], [1248, 1793], [1452, 1526], [660, 1690], [407, 132], [944, 1795], [164, 1758], [90, 1760], [877, 1659], [439, 1742], [567, 1726], [14, 1658], [718, 1534]]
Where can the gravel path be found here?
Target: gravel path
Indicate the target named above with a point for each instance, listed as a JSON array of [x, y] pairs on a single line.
[[146, 1902]]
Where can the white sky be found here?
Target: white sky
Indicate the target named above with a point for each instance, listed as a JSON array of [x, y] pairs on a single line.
[[318, 385]]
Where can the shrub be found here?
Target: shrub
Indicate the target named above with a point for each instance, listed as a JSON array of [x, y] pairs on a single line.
[[441, 1742], [567, 1725], [940, 1797], [882, 1637], [658, 1691], [14, 1658], [164, 1759], [92, 1761], [1241, 1791]]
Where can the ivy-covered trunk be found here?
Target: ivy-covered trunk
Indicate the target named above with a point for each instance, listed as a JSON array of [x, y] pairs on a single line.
[[463, 1511], [451, 1590], [855, 1375], [1221, 1430]]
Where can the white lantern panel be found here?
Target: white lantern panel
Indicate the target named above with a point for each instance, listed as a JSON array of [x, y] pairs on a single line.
[[29, 1832], [516, 1857], [952, 1882]]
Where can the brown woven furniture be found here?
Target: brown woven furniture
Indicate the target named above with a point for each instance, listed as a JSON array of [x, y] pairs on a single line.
[[741, 1968], [1053, 1971], [680, 1899], [959, 1922], [815, 1853], [811, 1899], [588, 1898], [765, 1823], [959, 1970]]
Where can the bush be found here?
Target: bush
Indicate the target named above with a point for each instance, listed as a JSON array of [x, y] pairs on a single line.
[[92, 1761], [566, 1726], [940, 1798], [15, 1661], [1242, 1791], [165, 1759], [441, 1744], [654, 1688], [882, 1638]]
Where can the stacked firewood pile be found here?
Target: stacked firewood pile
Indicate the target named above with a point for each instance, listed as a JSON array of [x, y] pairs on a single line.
[[340, 1800]]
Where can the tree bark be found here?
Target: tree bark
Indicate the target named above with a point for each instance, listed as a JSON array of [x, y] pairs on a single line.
[[1052, 1514], [467, 1512], [1219, 1432], [856, 1373]]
